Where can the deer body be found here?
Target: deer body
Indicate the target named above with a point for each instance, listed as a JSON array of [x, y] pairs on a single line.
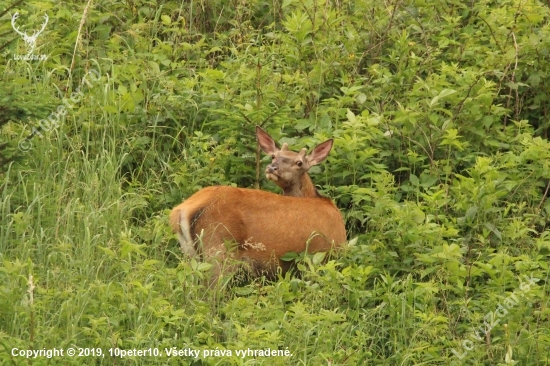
[[263, 226]]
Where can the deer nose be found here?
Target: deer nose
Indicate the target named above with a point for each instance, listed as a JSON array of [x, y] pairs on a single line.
[[271, 168]]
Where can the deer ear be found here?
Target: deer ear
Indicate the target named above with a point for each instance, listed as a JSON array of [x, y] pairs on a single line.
[[266, 142], [320, 152]]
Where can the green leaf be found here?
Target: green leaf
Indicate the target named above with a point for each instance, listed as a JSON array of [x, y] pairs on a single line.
[[286, 3], [289, 256], [444, 93], [319, 257], [110, 109], [154, 67], [351, 116], [243, 291], [107, 251], [204, 266], [471, 213], [122, 90], [494, 230]]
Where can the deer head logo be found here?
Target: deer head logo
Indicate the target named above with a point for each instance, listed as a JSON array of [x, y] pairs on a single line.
[[30, 41]]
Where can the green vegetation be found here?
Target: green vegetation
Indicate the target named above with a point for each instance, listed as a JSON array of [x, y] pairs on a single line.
[[441, 168]]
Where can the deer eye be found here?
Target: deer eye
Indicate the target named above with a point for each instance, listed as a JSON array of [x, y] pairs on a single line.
[[299, 163], [273, 157]]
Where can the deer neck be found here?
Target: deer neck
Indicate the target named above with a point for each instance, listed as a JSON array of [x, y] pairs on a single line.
[[304, 189]]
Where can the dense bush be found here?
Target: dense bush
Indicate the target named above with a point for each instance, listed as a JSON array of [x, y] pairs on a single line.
[[441, 168]]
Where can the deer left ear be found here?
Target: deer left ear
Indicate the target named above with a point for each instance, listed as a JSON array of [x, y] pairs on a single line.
[[320, 152], [266, 142]]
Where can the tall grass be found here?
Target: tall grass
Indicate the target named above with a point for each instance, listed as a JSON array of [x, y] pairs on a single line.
[[448, 224]]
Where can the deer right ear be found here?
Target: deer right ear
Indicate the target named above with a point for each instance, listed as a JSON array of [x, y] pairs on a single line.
[[266, 142], [320, 152]]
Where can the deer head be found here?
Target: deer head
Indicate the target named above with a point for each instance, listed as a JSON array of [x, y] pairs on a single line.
[[288, 169]]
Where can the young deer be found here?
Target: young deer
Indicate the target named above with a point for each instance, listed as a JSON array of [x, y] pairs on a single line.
[[264, 226]]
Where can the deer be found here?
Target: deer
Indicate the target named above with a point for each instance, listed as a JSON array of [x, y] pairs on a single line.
[[258, 227]]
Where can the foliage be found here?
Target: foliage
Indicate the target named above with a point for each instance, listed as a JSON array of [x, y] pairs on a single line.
[[439, 112]]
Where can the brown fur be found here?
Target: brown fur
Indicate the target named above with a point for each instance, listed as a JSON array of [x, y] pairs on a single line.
[[264, 225]]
